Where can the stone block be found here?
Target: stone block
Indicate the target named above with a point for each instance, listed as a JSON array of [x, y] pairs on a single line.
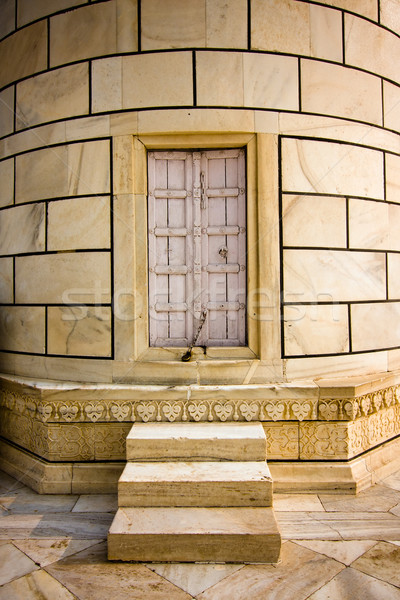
[[361, 364], [392, 177], [6, 280], [226, 24], [7, 111], [79, 223], [200, 441], [332, 276], [63, 278], [173, 24], [365, 333], [285, 29], [366, 8], [371, 47], [95, 478], [6, 182], [194, 483], [137, 81], [86, 128], [30, 11], [58, 94], [314, 221], [282, 441], [368, 224], [219, 120], [69, 41], [7, 23], [194, 534], [316, 329], [23, 53], [340, 91], [390, 14], [331, 168], [270, 81], [79, 331], [22, 329], [326, 33], [23, 229], [70, 170], [219, 78], [393, 265], [391, 106]]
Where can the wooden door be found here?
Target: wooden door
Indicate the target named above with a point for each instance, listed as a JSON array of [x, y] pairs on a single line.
[[197, 247]]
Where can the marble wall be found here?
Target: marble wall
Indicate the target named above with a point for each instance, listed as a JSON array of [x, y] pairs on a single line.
[[311, 89]]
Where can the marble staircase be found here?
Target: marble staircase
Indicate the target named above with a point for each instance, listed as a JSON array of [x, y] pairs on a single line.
[[195, 492]]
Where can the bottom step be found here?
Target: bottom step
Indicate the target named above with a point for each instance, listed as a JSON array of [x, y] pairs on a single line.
[[154, 534]]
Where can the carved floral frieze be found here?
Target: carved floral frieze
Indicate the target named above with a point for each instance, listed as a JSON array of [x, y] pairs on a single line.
[[349, 409]]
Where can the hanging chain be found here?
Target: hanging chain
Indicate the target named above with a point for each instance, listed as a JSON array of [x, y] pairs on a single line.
[[188, 355], [203, 202]]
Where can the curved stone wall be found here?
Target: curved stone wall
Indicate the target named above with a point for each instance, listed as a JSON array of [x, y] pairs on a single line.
[[310, 89]]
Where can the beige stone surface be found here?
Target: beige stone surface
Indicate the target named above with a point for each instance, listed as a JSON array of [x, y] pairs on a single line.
[[199, 441], [367, 8], [24, 53], [375, 499], [58, 94], [86, 128], [371, 48], [14, 564], [194, 483], [222, 121], [305, 502], [331, 168], [219, 78], [39, 583], [194, 578], [392, 164], [390, 14], [269, 81], [136, 81], [70, 170], [79, 331], [381, 561], [286, 29], [7, 111], [314, 221], [30, 11], [393, 261], [173, 24], [351, 584], [23, 229], [47, 551], [78, 223], [92, 503], [28, 140], [328, 275], [111, 579], [68, 32], [365, 334], [369, 224], [173, 534], [298, 574], [343, 551], [6, 182], [22, 329], [391, 106], [325, 33], [337, 90], [316, 330], [6, 280], [7, 23], [78, 277], [226, 24], [282, 441]]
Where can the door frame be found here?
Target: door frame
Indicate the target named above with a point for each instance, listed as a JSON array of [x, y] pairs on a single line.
[[131, 328]]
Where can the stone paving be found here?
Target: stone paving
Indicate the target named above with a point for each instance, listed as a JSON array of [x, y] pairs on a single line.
[[338, 547]]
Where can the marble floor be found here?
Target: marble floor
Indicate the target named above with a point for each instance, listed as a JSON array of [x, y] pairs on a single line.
[[52, 547]]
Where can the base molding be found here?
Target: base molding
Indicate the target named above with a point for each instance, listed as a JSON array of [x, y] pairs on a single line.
[[341, 477]]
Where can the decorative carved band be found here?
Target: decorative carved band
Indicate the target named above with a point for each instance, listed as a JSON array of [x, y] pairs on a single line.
[[349, 409]]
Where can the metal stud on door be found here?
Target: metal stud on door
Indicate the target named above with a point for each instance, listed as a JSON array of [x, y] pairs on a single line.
[[197, 248]]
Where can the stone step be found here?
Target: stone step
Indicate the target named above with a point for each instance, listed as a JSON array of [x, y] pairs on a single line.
[[195, 484], [196, 442], [153, 534]]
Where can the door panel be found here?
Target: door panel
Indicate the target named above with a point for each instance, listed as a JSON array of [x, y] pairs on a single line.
[[197, 247]]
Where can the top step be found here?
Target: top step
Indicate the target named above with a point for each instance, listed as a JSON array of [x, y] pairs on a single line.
[[196, 442]]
